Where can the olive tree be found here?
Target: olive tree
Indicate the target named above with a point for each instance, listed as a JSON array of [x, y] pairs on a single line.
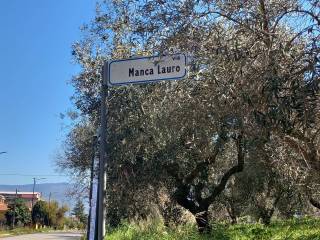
[[253, 73]]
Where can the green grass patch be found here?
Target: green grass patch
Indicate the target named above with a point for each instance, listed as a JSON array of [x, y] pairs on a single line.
[[296, 229]]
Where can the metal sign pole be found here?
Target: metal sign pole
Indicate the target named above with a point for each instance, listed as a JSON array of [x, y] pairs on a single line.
[[93, 199], [122, 72], [102, 162]]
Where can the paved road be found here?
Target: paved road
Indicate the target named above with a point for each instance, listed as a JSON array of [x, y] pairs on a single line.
[[46, 236]]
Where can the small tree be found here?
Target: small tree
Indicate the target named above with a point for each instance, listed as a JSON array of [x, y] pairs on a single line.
[[40, 213], [52, 213], [18, 213], [60, 216], [78, 212]]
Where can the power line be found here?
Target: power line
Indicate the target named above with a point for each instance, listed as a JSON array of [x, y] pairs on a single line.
[[32, 175]]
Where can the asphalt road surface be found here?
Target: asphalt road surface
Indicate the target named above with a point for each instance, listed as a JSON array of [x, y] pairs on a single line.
[[46, 236]]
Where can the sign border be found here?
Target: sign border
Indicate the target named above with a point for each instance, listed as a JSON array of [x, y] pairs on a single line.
[[145, 81]]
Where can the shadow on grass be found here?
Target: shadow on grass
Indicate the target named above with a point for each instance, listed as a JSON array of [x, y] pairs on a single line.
[[310, 237]]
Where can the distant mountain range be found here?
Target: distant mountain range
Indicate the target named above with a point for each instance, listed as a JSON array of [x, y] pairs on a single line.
[[58, 191]]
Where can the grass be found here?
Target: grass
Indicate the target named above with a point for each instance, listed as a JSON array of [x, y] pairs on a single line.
[[296, 229]]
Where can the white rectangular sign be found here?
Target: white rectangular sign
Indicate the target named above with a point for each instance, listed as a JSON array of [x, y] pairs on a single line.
[[147, 69]]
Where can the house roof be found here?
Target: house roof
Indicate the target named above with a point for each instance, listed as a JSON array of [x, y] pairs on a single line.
[[13, 193], [3, 207]]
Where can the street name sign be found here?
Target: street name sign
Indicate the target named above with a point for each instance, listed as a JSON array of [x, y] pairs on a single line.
[[147, 69], [122, 72]]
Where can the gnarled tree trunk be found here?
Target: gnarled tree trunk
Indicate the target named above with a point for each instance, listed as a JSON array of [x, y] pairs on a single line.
[[232, 215], [203, 221], [188, 194], [314, 203]]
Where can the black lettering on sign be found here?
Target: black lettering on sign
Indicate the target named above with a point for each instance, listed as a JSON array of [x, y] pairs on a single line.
[[140, 72], [131, 72], [168, 69], [148, 71]]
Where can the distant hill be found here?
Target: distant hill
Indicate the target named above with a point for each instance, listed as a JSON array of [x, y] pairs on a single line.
[[58, 191]]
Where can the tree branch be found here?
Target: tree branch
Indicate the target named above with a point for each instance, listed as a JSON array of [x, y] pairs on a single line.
[[181, 196], [314, 203], [224, 180], [210, 160], [312, 15], [298, 149]]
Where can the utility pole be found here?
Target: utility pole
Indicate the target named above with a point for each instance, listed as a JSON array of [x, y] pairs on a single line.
[[102, 160], [49, 198], [34, 185], [14, 209], [49, 209], [49, 204]]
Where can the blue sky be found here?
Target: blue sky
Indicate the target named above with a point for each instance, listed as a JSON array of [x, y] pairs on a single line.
[[35, 66]]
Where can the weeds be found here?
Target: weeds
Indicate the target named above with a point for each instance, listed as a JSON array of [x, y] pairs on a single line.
[[296, 229]]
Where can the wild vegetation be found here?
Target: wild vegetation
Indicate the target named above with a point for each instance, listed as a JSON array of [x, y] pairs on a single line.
[[45, 216], [18, 213], [49, 214], [306, 229], [20, 220], [238, 137]]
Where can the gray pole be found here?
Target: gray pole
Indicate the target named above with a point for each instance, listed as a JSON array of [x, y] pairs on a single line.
[[34, 184], [93, 165], [32, 202], [14, 209], [49, 222], [102, 162]]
